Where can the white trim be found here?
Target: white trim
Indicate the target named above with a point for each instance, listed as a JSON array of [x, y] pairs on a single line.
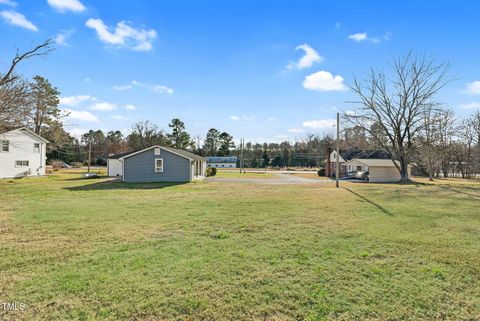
[[158, 169], [123, 170]]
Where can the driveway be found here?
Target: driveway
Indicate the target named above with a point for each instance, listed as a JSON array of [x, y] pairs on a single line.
[[279, 179]]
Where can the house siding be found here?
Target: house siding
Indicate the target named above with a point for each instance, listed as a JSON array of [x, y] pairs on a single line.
[[21, 149], [141, 167]]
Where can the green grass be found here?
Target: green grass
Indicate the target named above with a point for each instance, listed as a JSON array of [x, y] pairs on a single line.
[[247, 175], [76, 249]]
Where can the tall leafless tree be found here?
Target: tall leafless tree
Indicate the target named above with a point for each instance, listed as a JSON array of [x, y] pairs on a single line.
[[397, 102], [14, 89]]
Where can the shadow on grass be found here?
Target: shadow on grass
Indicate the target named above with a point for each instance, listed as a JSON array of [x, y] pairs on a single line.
[[448, 188], [119, 185], [381, 208]]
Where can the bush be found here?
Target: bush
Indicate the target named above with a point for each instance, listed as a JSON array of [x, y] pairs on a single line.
[[321, 172], [210, 171], [76, 164], [56, 165]]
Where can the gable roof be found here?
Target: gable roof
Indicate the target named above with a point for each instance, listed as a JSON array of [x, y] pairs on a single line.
[[179, 152], [364, 154], [29, 132], [120, 155]]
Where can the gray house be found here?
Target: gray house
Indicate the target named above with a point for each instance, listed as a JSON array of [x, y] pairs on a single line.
[[162, 164]]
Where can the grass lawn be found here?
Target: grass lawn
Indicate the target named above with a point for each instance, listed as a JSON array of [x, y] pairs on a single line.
[[237, 174], [74, 249]]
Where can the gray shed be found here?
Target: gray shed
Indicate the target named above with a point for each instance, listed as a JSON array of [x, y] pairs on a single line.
[[162, 164]]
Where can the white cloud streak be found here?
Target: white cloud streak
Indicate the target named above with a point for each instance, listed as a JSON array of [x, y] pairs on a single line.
[[17, 19], [67, 5], [311, 56], [473, 88], [320, 123], [123, 35], [81, 115]]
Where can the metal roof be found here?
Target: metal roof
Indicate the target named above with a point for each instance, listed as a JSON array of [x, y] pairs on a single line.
[[221, 159]]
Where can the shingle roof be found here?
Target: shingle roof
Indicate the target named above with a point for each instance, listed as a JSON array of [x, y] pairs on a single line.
[[364, 154], [117, 156], [183, 153]]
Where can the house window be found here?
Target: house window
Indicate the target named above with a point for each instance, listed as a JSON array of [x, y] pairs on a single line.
[[36, 148], [21, 163], [157, 151], [159, 165], [5, 148], [359, 168]]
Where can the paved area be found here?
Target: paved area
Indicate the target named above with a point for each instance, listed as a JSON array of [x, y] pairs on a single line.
[[278, 180]]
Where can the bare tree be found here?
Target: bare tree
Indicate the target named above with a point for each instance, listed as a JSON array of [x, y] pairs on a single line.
[[40, 50], [397, 104], [14, 104], [447, 129], [14, 89]]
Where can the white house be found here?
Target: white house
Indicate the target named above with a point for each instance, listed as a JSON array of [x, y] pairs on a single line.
[[380, 170], [22, 153]]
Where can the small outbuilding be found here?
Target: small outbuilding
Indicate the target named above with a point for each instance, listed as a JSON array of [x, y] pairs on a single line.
[[159, 164], [222, 161], [379, 170]]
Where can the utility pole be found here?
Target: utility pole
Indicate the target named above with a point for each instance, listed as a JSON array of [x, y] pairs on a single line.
[[89, 154], [337, 153], [241, 154]]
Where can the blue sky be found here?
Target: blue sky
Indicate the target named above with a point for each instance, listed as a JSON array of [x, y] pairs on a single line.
[[262, 70]]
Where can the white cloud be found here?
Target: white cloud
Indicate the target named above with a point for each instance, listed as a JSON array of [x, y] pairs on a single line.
[[358, 36], [67, 5], [130, 107], [320, 123], [244, 117], [133, 84], [123, 87], [363, 36], [87, 80], [17, 19], [272, 119], [324, 81], [472, 105], [62, 37], [82, 115], [117, 117], [311, 56], [8, 3], [123, 35], [103, 106], [76, 100], [163, 89], [473, 88], [295, 130]]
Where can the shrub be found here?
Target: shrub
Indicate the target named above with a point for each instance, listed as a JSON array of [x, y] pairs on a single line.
[[56, 165], [210, 172], [321, 172], [76, 164]]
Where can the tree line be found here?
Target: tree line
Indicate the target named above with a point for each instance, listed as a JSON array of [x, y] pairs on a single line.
[[398, 112]]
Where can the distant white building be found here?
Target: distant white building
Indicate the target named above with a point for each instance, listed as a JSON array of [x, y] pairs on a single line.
[[22, 153], [222, 162]]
